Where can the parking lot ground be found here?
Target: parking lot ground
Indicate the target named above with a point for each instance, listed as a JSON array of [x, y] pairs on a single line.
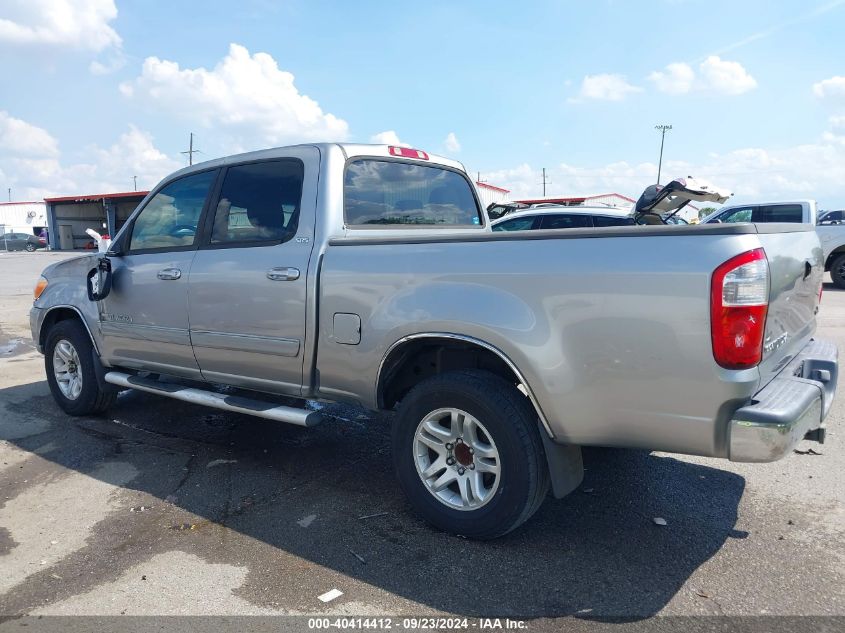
[[162, 507]]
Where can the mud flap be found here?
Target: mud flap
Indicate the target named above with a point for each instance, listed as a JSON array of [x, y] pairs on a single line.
[[566, 468]]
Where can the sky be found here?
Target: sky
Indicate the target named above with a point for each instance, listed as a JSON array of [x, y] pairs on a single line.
[[99, 94]]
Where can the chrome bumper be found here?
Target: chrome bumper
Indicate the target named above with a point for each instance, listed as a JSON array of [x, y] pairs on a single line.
[[789, 408]]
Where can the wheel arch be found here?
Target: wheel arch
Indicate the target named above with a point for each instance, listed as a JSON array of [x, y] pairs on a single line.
[[418, 356], [59, 313], [839, 250]]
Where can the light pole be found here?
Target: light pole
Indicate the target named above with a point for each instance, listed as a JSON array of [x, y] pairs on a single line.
[[662, 129]]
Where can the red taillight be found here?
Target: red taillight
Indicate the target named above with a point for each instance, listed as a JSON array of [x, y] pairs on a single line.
[[739, 300], [407, 152]]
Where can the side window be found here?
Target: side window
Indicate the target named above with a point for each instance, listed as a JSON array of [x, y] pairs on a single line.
[[516, 224], [780, 213], [737, 215], [381, 192], [608, 220], [170, 219], [259, 202], [565, 221]]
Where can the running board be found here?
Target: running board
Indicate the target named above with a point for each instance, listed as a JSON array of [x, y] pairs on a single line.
[[238, 404]]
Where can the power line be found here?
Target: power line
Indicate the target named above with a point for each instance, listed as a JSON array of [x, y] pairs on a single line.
[[546, 181], [662, 129], [191, 151]]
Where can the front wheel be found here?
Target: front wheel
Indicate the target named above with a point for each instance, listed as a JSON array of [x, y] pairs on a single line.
[[69, 361], [468, 454], [837, 271]]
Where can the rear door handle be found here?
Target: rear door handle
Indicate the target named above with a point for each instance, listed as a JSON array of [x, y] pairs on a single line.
[[169, 274], [283, 274]]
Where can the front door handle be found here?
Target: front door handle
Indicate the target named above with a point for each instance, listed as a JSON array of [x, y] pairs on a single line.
[[169, 273], [283, 274]]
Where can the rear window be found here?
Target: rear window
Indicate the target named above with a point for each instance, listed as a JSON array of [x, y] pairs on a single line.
[[381, 192], [566, 221], [781, 213], [607, 220], [524, 223]]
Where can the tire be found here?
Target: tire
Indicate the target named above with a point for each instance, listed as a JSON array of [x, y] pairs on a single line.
[[29, 248], [494, 418], [74, 360], [837, 271]]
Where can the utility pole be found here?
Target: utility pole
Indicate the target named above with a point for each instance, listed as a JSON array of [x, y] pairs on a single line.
[[135, 182], [191, 151], [546, 181], [10, 194], [662, 129]]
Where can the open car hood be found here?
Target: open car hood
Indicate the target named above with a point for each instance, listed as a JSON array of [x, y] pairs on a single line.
[[674, 196]]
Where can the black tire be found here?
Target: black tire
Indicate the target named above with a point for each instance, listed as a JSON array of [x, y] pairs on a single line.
[[91, 399], [837, 271], [30, 248], [511, 422]]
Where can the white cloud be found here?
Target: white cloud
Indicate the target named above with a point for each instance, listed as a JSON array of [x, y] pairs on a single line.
[[605, 87], [724, 77], [247, 96], [24, 139], [112, 64], [812, 170], [451, 143], [80, 24], [31, 163], [676, 79], [714, 75], [388, 137], [830, 88]]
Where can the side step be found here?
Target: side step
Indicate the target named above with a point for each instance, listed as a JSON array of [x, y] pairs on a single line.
[[238, 404]]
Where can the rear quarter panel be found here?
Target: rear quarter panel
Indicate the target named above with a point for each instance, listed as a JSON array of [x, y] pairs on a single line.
[[612, 333]]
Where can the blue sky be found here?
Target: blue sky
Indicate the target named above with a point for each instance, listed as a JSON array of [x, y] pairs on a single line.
[[755, 90]]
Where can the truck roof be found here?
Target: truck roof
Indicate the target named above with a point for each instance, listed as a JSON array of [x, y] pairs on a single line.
[[350, 150]]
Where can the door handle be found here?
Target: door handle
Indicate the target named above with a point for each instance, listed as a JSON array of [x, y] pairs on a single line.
[[169, 274], [283, 274]]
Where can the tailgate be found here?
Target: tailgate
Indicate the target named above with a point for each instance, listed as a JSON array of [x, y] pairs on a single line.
[[796, 268]]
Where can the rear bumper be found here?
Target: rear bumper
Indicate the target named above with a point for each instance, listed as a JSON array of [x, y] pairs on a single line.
[[792, 405]]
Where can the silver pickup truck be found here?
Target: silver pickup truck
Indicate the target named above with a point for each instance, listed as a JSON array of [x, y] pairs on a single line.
[[369, 275]]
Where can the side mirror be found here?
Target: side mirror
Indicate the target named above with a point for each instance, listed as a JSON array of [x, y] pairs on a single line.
[[99, 280]]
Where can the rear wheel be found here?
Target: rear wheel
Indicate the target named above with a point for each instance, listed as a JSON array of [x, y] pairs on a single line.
[[29, 247], [837, 271], [468, 454], [69, 361]]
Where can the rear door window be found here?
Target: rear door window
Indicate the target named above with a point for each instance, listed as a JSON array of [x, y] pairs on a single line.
[[524, 223], [779, 213], [566, 221], [382, 192], [737, 215], [259, 202], [608, 220]]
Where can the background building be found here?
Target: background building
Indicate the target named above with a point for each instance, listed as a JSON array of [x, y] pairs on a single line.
[[68, 217], [489, 194], [22, 217]]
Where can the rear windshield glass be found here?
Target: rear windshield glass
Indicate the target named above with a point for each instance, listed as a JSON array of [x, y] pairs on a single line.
[[378, 192], [781, 213]]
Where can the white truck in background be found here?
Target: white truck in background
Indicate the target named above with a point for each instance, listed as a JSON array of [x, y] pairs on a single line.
[[831, 232]]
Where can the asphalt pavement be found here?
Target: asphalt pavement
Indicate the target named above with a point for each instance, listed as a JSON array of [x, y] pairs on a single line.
[[162, 507]]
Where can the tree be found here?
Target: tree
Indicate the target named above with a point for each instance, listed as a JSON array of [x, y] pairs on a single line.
[[703, 212]]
